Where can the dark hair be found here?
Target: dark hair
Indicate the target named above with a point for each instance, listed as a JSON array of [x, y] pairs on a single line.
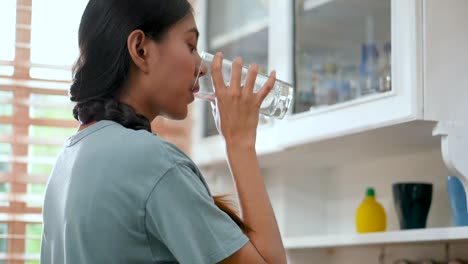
[[101, 71]]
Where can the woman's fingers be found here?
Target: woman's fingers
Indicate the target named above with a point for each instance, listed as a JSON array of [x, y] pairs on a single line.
[[267, 87], [250, 79], [217, 74], [236, 78], [236, 74]]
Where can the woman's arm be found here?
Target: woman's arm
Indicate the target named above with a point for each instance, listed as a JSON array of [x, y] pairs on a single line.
[[255, 204], [238, 110]]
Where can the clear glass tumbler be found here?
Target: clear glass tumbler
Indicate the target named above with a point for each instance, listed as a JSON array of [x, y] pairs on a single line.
[[277, 102]]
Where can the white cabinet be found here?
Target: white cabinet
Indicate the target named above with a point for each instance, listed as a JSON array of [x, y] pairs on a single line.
[[235, 30], [319, 159], [404, 103], [259, 31]]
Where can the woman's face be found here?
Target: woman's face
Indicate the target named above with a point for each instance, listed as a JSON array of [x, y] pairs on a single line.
[[172, 73]]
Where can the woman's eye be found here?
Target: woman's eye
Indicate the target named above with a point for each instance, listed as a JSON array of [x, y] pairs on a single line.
[[192, 47]]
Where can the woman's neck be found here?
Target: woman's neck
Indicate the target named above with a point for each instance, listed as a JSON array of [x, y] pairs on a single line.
[[83, 126]]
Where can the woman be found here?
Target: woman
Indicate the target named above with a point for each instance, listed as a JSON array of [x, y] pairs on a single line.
[[119, 193]]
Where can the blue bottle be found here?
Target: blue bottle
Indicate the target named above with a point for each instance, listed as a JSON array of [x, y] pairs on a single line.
[[457, 198]]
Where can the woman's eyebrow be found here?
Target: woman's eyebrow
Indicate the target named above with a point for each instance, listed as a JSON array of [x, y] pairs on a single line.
[[194, 30]]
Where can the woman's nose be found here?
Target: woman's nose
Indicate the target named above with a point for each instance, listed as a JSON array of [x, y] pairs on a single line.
[[202, 69]]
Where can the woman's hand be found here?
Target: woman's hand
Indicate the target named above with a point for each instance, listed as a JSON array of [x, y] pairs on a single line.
[[237, 108]]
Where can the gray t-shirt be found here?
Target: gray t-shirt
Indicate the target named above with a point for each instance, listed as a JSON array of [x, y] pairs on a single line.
[[118, 195]]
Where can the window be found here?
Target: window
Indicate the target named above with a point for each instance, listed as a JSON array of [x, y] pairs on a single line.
[[54, 46], [8, 33], [37, 51]]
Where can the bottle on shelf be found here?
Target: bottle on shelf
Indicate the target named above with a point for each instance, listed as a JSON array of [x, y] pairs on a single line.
[[385, 78], [369, 70], [348, 83], [370, 215], [327, 90], [305, 95], [368, 75]]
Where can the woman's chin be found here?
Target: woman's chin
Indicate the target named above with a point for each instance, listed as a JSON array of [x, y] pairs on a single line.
[[179, 115]]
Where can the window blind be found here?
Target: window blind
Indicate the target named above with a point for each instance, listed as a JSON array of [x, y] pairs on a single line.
[[37, 51]]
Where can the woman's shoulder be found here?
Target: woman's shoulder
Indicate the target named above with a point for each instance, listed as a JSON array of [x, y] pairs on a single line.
[[157, 154], [151, 146], [129, 148]]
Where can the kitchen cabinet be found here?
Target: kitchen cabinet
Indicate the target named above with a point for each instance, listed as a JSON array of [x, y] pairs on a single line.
[[342, 136], [236, 31]]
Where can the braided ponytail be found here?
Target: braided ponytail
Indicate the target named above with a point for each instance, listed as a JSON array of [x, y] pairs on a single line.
[[110, 109]]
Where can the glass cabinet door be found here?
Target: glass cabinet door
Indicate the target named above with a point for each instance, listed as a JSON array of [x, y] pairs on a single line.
[[236, 28], [342, 51]]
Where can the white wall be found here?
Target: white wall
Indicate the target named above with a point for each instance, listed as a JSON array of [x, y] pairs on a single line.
[[320, 201]]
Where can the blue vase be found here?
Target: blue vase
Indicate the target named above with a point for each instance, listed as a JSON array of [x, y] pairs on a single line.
[[457, 198]]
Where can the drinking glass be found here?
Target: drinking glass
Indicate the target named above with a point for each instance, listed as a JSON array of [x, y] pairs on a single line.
[[275, 104]]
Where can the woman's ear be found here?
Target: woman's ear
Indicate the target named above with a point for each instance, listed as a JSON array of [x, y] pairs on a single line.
[[137, 43]]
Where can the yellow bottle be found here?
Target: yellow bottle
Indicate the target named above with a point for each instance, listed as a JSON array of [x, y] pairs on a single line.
[[370, 216]]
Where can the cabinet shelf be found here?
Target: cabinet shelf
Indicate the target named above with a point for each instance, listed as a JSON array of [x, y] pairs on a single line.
[[405, 138], [281, 140], [211, 150], [430, 235], [311, 4], [386, 141], [240, 33]]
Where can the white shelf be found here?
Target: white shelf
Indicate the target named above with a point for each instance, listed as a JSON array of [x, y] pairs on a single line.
[[320, 124], [239, 33], [448, 234], [311, 4], [407, 137], [404, 138], [211, 150], [314, 136]]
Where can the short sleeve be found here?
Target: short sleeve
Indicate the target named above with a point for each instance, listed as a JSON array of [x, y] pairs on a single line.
[[181, 214]]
